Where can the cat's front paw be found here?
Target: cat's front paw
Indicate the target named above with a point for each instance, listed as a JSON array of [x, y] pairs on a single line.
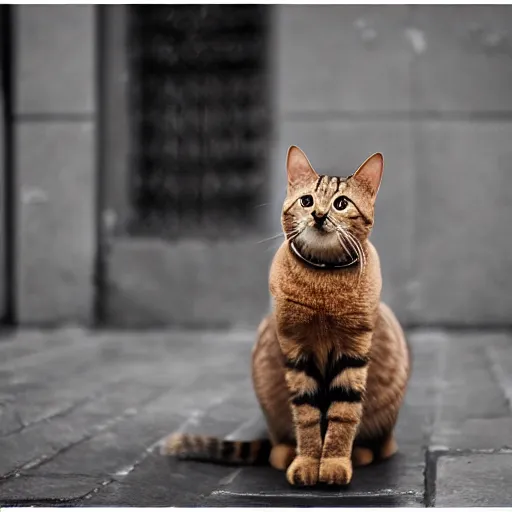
[[335, 471], [303, 471]]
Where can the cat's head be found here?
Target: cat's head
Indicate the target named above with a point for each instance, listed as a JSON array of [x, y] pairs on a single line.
[[326, 218]]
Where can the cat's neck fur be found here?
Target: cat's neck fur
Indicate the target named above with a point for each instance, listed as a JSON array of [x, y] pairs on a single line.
[[295, 279]]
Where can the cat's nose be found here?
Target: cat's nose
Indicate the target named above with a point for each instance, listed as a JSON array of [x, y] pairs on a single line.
[[319, 218]]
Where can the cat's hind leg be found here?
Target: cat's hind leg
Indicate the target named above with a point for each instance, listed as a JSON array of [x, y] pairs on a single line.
[[361, 456], [388, 447], [378, 449], [282, 456]]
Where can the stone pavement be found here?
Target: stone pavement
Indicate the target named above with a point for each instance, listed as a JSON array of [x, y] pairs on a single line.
[[81, 414]]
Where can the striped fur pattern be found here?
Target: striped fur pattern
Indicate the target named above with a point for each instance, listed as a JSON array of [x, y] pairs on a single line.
[[387, 374], [220, 451], [330, 366]]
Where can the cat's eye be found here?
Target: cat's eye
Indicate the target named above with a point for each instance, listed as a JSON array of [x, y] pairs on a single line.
[[340, 203], [306, 201]]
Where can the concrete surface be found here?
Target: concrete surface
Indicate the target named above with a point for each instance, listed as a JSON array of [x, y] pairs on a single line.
[[81, 415]]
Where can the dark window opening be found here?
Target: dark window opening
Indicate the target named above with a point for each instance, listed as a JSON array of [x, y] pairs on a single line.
[[199, 118]]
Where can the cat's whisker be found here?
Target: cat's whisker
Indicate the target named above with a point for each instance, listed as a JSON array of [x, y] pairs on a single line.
[[360, 246], [272, 246], [270, 238], [356, 243], [360, 250], [331, 221], [352, 240], [356, 246], [339, 231], [342, 238], [345, 248], [289, 236]]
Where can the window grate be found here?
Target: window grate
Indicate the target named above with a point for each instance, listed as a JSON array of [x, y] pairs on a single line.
[[199, 117]]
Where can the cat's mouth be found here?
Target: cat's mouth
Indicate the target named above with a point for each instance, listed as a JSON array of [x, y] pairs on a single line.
[[322, 258]]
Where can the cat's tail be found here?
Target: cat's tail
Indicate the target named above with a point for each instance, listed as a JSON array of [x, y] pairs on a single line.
[[220, 451]]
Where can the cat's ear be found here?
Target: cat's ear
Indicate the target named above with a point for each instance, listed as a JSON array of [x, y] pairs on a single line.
[[300, 171], [369, 174]]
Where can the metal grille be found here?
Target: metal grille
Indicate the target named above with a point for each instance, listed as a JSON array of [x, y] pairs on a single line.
[[199, 116]]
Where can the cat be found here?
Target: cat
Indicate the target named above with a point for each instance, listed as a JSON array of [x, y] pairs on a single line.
[[331, 364]]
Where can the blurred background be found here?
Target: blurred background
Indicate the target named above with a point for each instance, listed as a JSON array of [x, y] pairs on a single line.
[[143, 152]]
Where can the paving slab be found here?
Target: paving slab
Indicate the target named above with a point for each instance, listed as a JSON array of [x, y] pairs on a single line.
[[46, 490], [41, 442], [472, 410], [474, 480], [161, 481], [391, 483]]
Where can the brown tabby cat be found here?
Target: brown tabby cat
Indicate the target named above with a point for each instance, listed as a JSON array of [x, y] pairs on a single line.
[[331, 364]]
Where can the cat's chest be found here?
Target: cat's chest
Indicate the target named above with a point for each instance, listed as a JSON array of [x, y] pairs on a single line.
[[306, 325], [321, 301]]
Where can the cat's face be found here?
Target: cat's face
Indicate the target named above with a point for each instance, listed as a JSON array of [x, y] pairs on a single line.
[[326, 218]]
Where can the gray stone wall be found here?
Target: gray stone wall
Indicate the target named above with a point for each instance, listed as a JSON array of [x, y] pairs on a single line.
[[3, 231], [429, 87], [55, 164]]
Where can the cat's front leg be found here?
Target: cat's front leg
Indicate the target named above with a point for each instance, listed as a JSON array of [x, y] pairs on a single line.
[[304, 469], [346, 390]]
